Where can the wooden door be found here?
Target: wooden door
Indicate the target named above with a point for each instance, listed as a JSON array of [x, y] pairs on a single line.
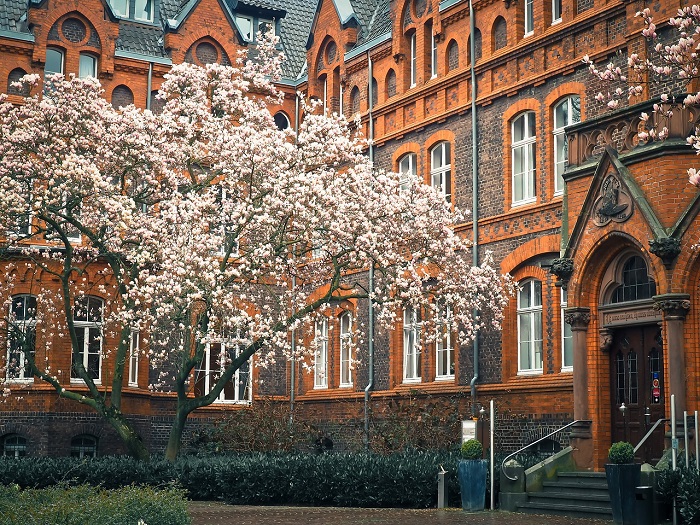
[[636, 374]]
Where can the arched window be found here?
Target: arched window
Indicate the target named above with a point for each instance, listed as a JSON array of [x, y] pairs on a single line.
[[566, 112], [441, 169], [567, 336], [407, 169], [282, 120], [355, 100], [15, 76], [411, 346], [83, 446], [54, 63], [321, 354], [500, 33], [88, 315], [413, 62], [156, 104], [523, 153], [375, 92], [87, 66], [636, 282], [390, 84], [122, 96], [530, 326], [477, 45], [14, 446], [452, 56], [346, 349], [21, 335]]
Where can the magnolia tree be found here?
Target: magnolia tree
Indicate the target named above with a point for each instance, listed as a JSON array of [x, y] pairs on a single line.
[[210, 231], [671, 64]]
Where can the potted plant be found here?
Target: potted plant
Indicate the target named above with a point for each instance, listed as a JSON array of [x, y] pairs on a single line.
[[471, 472], [623, 477]]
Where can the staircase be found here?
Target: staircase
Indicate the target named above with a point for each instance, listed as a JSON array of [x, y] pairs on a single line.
[[578, 494]]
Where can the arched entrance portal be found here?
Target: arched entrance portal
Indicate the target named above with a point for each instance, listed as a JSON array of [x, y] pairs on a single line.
[[631, 333]]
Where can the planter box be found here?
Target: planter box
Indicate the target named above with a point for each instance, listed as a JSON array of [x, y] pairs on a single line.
[[472, 483], [622, 482]]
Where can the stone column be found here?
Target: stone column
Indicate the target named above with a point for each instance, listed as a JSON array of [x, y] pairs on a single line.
[[674, 307]]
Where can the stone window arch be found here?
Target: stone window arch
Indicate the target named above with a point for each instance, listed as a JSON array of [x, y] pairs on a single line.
[[15, 76], [500, 33], [452, 55], [390, 83]]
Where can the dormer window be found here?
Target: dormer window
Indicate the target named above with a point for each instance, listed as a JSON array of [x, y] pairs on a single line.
[[249, 26], [120, 7], [144, 10]]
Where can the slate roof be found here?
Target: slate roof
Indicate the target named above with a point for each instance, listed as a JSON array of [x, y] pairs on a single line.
[[140, 39], [10, 13], [294, 33], [379, 24]]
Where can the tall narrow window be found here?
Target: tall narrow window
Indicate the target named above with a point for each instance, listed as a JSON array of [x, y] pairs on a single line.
[[414, 64], [88, 66], [529, 17], [87, 319], [444, 355], [134, 358], [441, 169], [143, 10], [321, 355], [21, 337], [407, 169], [567, 112], [217, 355], [341, 100], [54, 64], [556, 11], [523, 153], [346, 350], [120, 7], [530, 326], [567, 339], [411, 346], [433, 55], [325, 94]]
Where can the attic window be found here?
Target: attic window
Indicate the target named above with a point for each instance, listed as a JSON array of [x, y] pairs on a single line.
[[143, 10], [250, 26]]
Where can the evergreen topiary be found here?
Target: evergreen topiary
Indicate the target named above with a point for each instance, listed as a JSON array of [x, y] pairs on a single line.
[[472, 449], [621, 452]]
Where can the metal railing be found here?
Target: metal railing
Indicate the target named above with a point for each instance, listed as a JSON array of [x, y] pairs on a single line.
[[503, 465], [639, 445]]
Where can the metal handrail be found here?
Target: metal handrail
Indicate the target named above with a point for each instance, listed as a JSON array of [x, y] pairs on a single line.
[[503, 465], [639, 445]]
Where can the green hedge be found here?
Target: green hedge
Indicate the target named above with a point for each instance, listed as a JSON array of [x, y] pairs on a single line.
[[348, 480], [61, 505]]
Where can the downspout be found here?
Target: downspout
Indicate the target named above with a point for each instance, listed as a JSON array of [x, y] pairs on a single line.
[[370, 382], [293, 363], [475, 192], [149, 85]]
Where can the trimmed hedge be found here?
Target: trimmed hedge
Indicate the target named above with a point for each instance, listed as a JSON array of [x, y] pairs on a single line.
[[61, 505], [346, 480]]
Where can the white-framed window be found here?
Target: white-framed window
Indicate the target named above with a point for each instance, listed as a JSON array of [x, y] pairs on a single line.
[[523, 153], [245, 25], [55, 60], [411, 346], [556, 11], [88, 314], [250, 26], [414, 58], [21, 337], [321, 354], [441, 169], [14, 446], [341, 99], [217, 356], [407, 169], [83, 446], [325, 94], [346, 349], [120, 7], [530, 326], [529, 18], [143, 10], [87, 66], [567, 338], [134, 358], [566, 112], [433, 55], [444, 353]]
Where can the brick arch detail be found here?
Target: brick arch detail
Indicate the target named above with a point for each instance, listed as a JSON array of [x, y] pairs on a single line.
[[210, 34], [545, 244], [440, 136], [406, 147]]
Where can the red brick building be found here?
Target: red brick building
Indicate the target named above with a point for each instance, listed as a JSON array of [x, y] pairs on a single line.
[[596, 227]]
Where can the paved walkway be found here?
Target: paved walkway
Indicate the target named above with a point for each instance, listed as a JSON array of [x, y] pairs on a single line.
[[207, 513]]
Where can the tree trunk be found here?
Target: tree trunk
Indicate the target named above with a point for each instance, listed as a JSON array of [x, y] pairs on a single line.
[[175, 439], [128, 434]]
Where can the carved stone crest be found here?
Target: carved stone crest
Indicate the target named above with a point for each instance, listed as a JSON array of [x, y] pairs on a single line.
[[613, 203]]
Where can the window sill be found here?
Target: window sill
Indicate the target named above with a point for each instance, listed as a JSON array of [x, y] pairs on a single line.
[[411, 380], [526, 373], [320, 387], [525, 202], [19, 381], [445, 378], [567, 369], [346, 385], [557, 21], [77, 381]]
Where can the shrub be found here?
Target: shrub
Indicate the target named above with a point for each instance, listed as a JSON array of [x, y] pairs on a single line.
[[85, 504], [472, 449], [621, 452]]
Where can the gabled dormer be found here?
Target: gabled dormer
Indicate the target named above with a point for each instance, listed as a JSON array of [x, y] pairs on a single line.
[[144, 11], [253, 17]]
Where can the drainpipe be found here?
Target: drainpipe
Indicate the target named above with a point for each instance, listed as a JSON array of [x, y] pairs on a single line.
[[475, 192], [370, 322], [293, 367], [370, 383], [149, 86]]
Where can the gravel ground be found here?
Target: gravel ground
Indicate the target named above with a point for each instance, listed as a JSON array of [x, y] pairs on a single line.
[[206, 513]]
